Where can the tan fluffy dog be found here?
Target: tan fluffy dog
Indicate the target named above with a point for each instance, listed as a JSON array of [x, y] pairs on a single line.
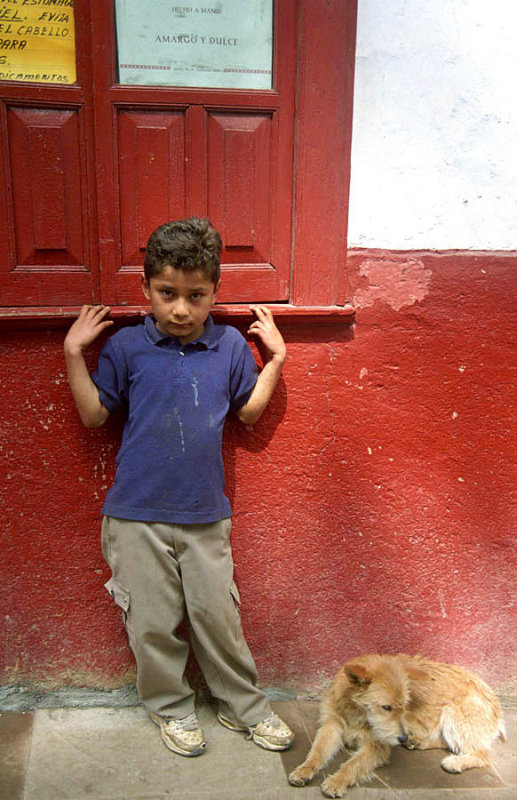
[[376, 702]]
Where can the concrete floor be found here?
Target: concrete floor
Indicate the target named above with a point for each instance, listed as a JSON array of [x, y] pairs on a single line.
[[116, 754]]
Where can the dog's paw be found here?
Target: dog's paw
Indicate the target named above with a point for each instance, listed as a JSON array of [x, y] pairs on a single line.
[[452, 764], [300, 776], [332, 787], [411, 744]]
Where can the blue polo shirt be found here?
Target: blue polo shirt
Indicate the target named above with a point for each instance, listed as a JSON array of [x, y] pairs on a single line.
[[170, 467]]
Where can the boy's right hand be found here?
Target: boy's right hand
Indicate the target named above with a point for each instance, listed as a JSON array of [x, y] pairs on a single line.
[[88, 325]]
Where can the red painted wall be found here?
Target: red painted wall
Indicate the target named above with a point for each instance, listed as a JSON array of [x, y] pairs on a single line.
[[373, 502]]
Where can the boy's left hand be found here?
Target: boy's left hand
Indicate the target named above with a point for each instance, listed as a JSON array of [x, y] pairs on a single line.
[[264, 327]]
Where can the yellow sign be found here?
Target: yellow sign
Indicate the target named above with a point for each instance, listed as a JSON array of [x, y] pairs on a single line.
[[37, 41]]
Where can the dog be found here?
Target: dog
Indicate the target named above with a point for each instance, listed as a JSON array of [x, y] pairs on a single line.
[[376, 702]]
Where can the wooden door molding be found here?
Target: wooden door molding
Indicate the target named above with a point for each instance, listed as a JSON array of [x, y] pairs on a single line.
[[326, 58]]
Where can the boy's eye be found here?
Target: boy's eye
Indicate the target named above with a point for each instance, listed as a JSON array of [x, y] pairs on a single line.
[[387, 708]]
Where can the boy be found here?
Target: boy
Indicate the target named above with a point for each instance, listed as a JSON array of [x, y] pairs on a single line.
[[166, 529]]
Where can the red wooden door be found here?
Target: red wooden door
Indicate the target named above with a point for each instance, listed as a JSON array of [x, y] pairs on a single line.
[[88, 170], [47, 185], [165, 152]]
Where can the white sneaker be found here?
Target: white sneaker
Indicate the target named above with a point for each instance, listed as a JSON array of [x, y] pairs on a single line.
[[271, 734], [182, 736]]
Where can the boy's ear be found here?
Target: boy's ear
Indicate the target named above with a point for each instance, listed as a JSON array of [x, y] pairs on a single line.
[[217, 287], [145, 286]]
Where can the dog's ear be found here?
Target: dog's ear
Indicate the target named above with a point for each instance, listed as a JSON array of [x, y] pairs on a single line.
[[416, 674], [357, 674]]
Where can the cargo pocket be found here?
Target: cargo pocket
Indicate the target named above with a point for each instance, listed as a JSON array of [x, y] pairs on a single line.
[[235, 594], [237, 627], [120, 595]]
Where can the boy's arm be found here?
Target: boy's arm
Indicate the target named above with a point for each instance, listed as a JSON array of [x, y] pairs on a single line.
[[264, 327], [89, 324]]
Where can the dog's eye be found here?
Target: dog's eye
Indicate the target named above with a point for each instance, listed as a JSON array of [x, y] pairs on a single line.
[[387, 708]]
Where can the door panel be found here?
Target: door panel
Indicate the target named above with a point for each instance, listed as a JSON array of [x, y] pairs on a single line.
[[46, 186], [151, 158], [44, 224], [239, 179], [242, 189]]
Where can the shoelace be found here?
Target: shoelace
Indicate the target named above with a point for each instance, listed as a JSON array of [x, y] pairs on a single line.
[[189, 723], [272, 720]]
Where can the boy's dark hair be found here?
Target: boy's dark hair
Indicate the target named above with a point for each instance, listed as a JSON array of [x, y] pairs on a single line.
[[186, 244]]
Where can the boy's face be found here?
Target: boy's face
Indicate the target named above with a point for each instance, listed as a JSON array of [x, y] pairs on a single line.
[[180, 301]]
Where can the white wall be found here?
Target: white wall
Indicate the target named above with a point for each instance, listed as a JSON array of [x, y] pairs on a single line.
[[434, 153]]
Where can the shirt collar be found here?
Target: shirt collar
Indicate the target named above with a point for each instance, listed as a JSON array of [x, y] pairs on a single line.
[[208, 338]]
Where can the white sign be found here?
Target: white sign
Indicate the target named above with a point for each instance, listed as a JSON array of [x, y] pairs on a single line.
[[214, 44]]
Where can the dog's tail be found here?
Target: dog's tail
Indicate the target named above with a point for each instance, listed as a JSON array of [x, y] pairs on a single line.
[[501, 730]]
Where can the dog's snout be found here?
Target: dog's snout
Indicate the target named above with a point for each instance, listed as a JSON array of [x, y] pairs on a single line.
[[403, 738]]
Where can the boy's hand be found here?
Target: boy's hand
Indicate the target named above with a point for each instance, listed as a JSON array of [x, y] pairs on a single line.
[[264, 327], [88, 325]]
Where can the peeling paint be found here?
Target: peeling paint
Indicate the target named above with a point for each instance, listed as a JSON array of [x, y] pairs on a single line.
[[398, 283]]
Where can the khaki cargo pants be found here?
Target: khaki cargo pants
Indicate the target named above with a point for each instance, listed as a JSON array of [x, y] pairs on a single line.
[[162, 573]]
